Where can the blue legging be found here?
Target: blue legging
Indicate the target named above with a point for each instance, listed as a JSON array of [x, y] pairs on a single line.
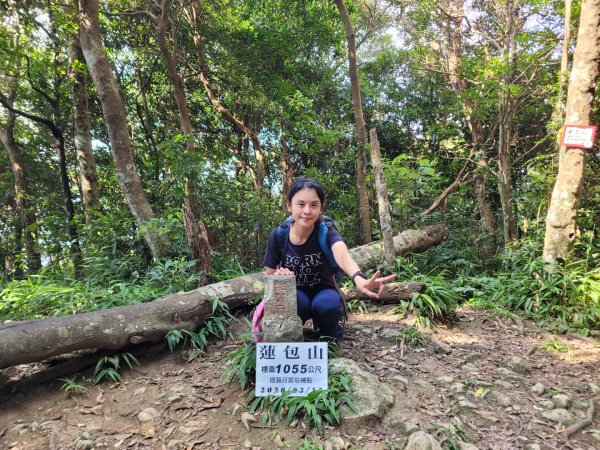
[[325, 308]]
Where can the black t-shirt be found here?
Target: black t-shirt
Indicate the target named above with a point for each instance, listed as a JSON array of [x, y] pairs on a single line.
[[307, 261]]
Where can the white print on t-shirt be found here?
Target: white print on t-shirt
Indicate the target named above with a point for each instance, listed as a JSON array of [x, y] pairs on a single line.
[[306, 268]]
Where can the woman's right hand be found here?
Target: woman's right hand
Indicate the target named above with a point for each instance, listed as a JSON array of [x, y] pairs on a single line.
[[283, 271]]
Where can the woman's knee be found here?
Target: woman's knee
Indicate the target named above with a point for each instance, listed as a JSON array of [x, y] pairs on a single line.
[[304, 305], [328, 301]]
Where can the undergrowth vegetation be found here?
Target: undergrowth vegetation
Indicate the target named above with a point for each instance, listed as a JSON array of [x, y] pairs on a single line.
[[513, 282]]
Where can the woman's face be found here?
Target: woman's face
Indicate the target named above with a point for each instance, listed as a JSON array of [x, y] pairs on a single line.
[[305, 207]]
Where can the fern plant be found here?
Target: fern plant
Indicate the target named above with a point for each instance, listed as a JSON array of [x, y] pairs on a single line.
[[72, 388], [215, 325], [108, 366]]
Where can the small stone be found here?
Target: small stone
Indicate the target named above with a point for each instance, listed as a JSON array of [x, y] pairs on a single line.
[[464, 403], [546, 404], [504, 372], [411, 426], [533, 447], [503, 384], [388, 333], [581, 404], [444, 379], [559, 415], [148, 414], [84, 442], [538, 389], [175, 443], [501, 399], [140, 391], [469, 368], [185, 430], [337, 443], [440, 347], [472, 357], [580, 387], [278, 441], [247, 443], [247, 417], [402, 380], [458, 388], [422, 441], [561, 401], [176, 397], [516, 364], [488, 416], [594, 388], [16, 430], [127, 410], [467, 446]]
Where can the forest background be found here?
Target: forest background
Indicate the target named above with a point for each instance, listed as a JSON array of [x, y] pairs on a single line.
[[162, 167]]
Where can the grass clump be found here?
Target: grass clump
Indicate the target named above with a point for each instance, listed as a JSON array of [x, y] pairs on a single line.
[[410, 336], [72, 388]]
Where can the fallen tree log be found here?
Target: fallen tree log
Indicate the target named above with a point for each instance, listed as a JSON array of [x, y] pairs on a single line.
[[393, 292], [116, 328]]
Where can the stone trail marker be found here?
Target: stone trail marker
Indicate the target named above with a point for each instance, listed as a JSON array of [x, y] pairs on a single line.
[[280, 320]]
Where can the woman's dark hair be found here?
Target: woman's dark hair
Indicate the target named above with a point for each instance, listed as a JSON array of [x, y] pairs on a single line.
[[306, 183]]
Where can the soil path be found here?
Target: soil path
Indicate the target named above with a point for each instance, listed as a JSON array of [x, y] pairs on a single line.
[[478, 394]]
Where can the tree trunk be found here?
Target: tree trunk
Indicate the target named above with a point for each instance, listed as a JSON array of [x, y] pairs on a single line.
[[26, 217], [561, 225], [361, 130], [287, 171], [88, 177], [194, 226], [34, 340], [385, 219], [59, 140], [197, 236], [116, 123], [392, 293], [559, 110], [512, 24]]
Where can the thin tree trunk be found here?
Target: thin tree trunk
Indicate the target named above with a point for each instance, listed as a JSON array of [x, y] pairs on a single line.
[[561, 224], [564, 61], [505, 121], [287, 171], [459, 84], [194, 226], [385, 219], [26, 217], [115, 328], [117, 124], [361, 130], [88, 176]]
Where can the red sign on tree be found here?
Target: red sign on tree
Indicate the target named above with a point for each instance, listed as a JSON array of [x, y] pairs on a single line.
[[578, 136]]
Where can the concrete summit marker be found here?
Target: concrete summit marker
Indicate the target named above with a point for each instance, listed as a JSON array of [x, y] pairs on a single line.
[[280, 321]]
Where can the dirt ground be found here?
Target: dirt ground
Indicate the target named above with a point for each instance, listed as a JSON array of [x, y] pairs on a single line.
[[465, 396]]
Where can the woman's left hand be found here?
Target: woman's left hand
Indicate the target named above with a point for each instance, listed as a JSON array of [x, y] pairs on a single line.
[[373, 287]]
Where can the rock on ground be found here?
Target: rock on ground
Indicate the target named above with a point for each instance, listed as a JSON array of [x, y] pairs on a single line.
[[422, 441], [371, 398]]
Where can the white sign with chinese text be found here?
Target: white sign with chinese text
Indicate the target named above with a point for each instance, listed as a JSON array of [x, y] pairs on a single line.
[[295, 367], [579, 136]]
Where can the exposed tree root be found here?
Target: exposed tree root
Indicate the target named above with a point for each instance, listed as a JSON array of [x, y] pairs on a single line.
[[589, 416]]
